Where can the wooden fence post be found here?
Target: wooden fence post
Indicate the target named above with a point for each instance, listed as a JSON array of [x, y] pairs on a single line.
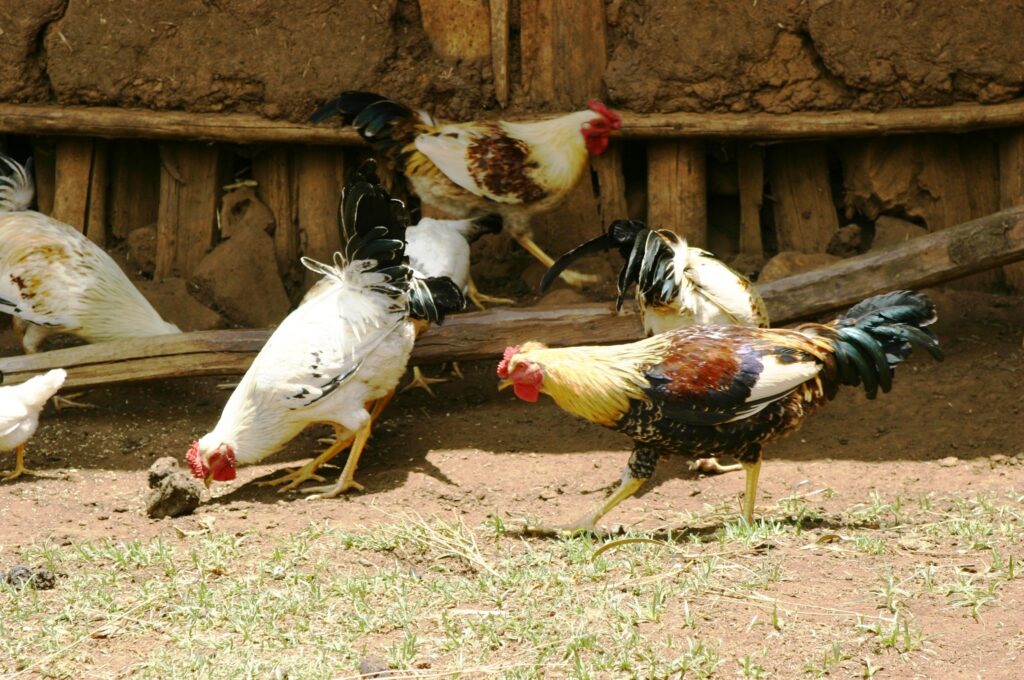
[[134, 186], [677, 196], [191, 175], [1011, 191], [805, 216], [80, 186], [750, 162], [320, 175]]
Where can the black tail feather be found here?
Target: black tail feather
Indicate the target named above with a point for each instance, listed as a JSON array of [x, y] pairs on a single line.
[[431, 299], [378, 120], [371, 223], [877, 334]]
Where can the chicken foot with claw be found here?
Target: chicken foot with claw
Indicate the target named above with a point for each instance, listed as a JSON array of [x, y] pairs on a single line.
[[19, 466]]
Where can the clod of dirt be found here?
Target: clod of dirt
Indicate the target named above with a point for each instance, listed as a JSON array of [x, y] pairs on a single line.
[[176, 495], [372, 667], [242, 210], [20, 576], [161, 469], [846, 241], [949, 461], [238, 271], [142, 249], [171, 298]]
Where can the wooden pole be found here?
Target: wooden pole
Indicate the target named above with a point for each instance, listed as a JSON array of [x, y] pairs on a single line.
[[134, 186], [991, 241], [33, 119], [80, 191], [272, 169]]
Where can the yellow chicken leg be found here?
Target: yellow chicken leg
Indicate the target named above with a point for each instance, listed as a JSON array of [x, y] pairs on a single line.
[[347, 480], [420, 380], [19, 466], [750, 495], [478, 298], [573, 278], [62, 402], [293, 478], [588, 522]]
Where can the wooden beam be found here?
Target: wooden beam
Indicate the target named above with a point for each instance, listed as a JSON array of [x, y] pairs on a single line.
[[991, 241], [109, 122], [677, 196], [500, 50], [750, 162], [1011, 191], [191, 176], [981, 244], [479, 335]]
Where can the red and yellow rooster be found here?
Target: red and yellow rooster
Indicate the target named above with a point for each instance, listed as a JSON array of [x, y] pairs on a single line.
[[707, 390], [474, 169]]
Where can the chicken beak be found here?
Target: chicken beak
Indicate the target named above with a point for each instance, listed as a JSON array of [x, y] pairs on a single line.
[[208, 480], [503, 384]]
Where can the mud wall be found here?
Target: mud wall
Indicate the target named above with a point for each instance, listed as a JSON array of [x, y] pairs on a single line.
[[280, 57]]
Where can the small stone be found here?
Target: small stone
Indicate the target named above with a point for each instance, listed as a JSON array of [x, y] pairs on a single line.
[[175, 496], [373, 667], [949, 461], [18, 576], [161, 469]]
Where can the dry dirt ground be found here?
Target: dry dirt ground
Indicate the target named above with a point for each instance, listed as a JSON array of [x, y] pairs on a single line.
[[905, 512]]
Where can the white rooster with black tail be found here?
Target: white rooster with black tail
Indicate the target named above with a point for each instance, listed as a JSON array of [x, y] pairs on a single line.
[[344, 348]]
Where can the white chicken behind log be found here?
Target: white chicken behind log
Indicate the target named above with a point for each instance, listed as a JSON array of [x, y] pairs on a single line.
[[345, 347], [55, 280], [19, 414]]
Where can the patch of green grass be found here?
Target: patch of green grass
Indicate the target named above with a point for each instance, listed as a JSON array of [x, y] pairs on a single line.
[[441, 598]]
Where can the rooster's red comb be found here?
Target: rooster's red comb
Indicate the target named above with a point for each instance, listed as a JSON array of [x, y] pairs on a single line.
[[510, 352], [614, 119]]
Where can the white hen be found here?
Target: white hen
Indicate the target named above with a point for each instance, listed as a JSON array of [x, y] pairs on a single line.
[[345, 347], [19, 414], [55, 280]]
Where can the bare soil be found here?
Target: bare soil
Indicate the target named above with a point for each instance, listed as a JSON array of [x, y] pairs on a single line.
[[950, 430]]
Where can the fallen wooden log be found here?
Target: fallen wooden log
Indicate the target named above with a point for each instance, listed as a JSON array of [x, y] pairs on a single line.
[[991, 241], [98, 121]]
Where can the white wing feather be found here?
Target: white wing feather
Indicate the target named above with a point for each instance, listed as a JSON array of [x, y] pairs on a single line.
[[448, 150]]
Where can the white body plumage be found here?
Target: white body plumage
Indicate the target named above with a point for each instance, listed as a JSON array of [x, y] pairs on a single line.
[[440, 248], [345, 346], [55, 280], [20, 406], [709, 293]]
